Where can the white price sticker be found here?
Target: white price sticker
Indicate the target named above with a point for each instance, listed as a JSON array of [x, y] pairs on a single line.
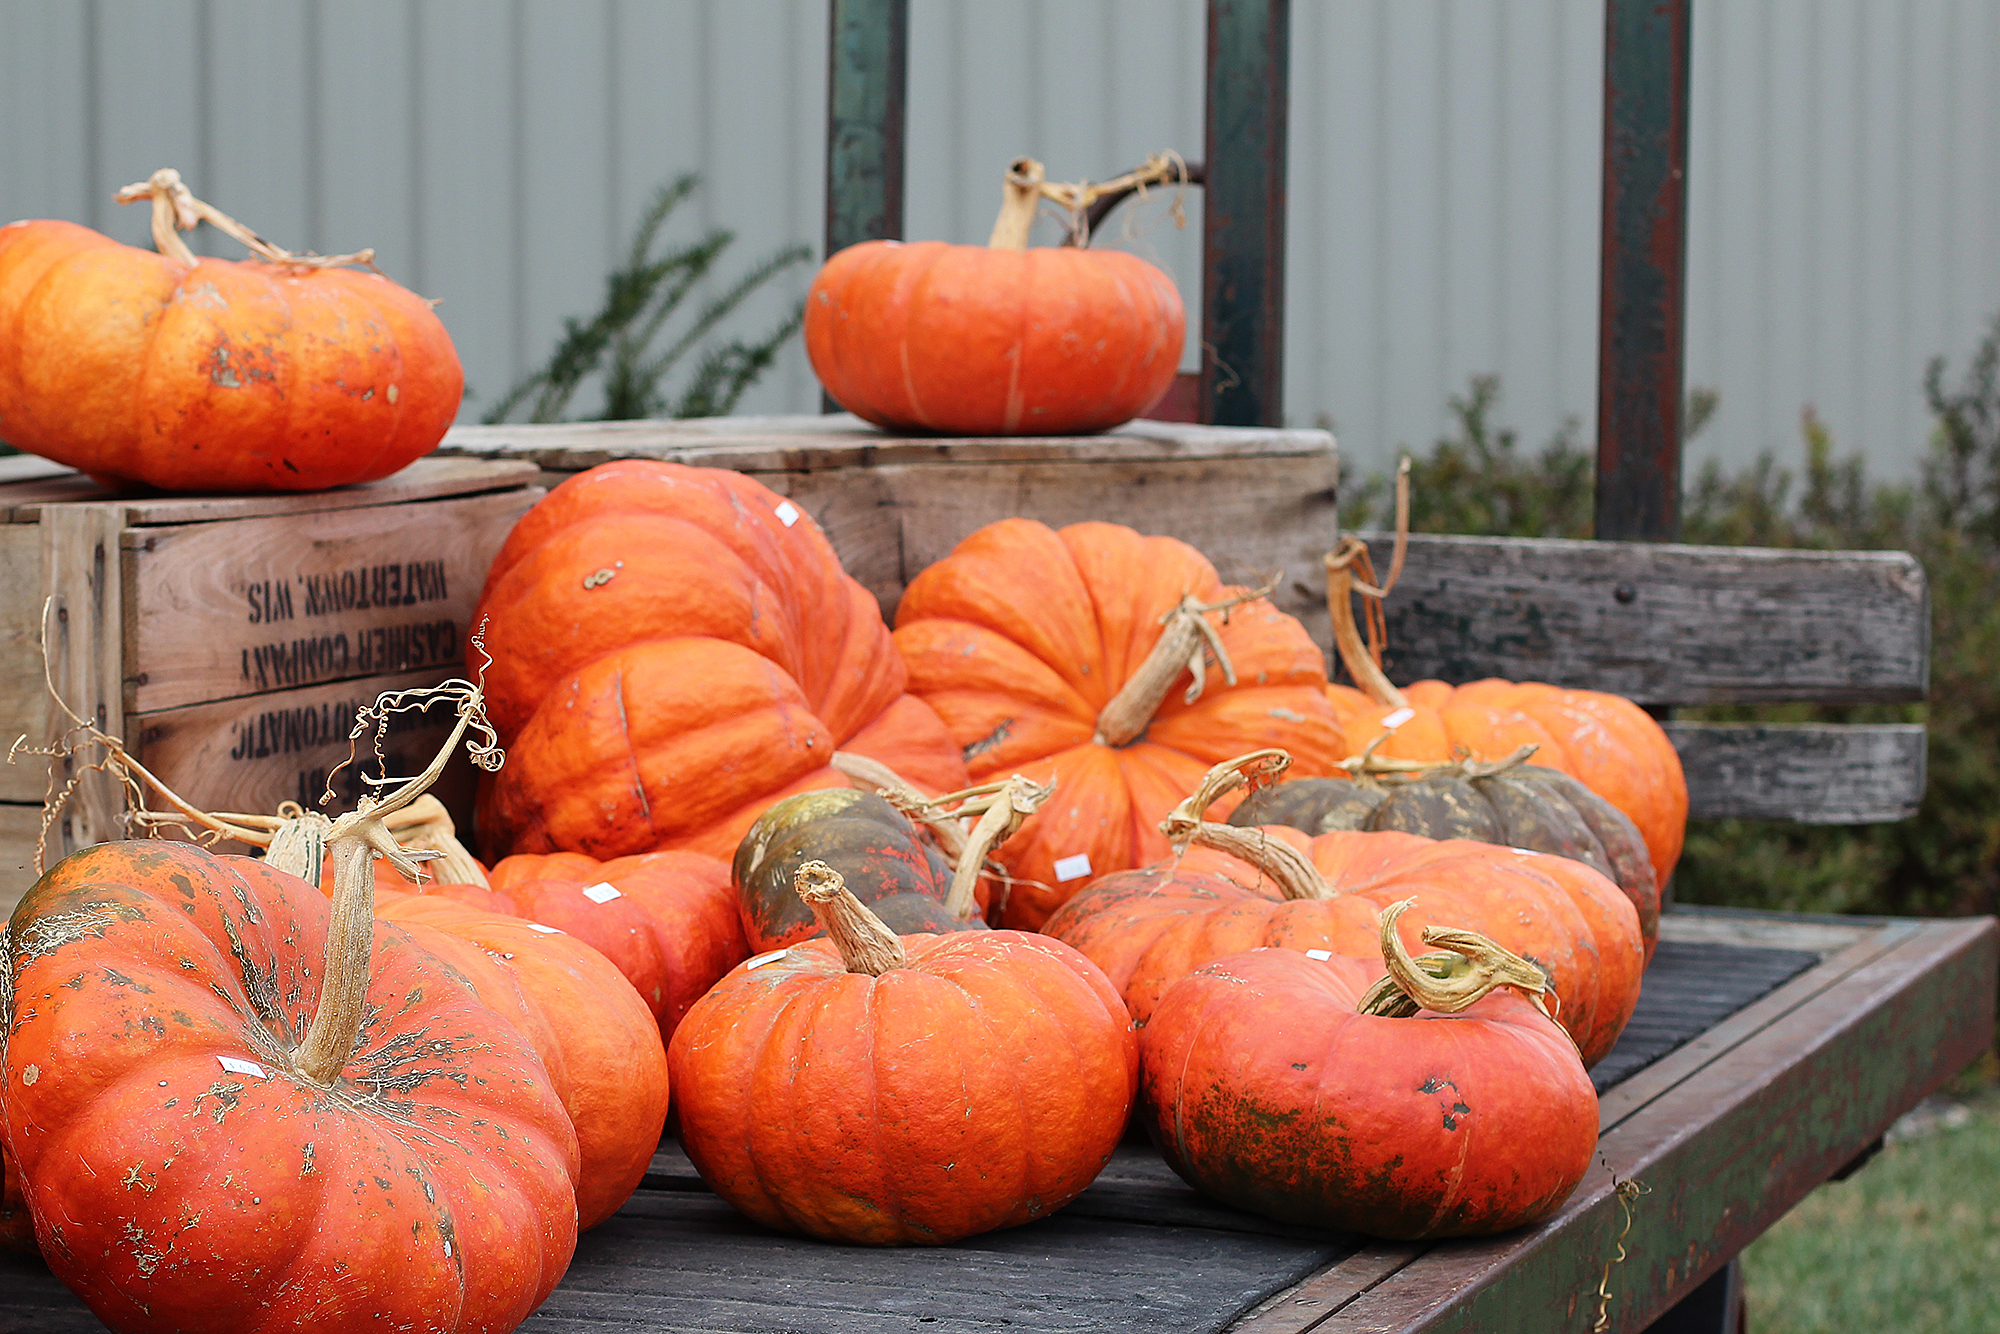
[[1321, 955], [1398, 718], [602, 892], [236, 1067], [787, 512], [763, 959], [1073, 868], [545, 930]]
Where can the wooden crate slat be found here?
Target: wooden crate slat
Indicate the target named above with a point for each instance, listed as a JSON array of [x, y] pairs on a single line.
[[244, 606], [84, 578], [843, 441], [1661, 624], [428, 478], [1817, 773]]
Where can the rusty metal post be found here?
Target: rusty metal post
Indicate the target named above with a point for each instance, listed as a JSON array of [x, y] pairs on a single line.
[[1243, 213], [1643, 291], [867, 83]]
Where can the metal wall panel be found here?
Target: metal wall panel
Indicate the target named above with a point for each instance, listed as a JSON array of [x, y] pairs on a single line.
[[1845, 164]]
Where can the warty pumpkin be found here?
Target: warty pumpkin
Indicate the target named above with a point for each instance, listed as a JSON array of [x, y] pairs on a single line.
[[994, 340], [237, 1107], [288, 373], [881, 1090], [1284, 1084], [1607, 743], [1232, 889], [1115, 666], [675, 649]]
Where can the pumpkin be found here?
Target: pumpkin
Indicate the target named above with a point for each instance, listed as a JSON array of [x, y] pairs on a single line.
[[1607, 743], [886, 862], [1115, 666], [666, 920], [880, 1090], [1235, 889], [673, 650], [1511, 803], [236, 1106], [190, 374], [1283, 1084], [994, 340], [597, 1038]]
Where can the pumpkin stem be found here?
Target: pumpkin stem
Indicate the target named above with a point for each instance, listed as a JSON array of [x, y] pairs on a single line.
[[1027, 186], [1189, 640], [1447, 982], [1386, 770], [1364, 662], [1293, 873], [175, 207], [865, 944], [1000, 816], [1166, 167]]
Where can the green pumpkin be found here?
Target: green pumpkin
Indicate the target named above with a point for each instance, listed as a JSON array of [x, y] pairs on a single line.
[[879, 853]]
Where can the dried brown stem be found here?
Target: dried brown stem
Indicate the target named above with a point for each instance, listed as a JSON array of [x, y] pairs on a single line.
[[1187, 643], [1027, 185], [1447, 983], [1001, 815], [1288, 868], [175, 210], [865, 944]]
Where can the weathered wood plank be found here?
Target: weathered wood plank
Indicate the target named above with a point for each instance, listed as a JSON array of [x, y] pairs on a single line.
[[244, 606], [1817, 773], [1724, 1153], [1662, 624], [252, 752], [84, 578], [844, 441], [426, 479], [20, 826]]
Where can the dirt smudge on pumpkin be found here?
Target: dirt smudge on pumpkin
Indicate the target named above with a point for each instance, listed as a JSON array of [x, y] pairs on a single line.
[[46, 933], [228, 1095], [990, 741]]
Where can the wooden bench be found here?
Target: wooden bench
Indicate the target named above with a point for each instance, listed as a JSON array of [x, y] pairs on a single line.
[[1769, 1051]]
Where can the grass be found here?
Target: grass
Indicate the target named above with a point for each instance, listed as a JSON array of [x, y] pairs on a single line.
[[1910, 1243]]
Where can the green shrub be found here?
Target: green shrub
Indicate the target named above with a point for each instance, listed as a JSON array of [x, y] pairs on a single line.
[[1946, 860]]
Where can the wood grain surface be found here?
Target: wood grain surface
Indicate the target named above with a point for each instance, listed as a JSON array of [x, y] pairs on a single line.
[[245, 606], [1661, 624], [1814, 772]]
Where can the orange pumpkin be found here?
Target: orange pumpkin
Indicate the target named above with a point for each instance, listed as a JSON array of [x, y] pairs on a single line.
[[210, 375], [673, 650], [994, 340], [235, 1106], [1066, 656], [884, 1091], [667, 920], [1284, 1085], [1607, 743]]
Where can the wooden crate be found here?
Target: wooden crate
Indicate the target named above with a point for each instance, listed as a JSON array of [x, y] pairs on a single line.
[[229, 639], [1254, 500]]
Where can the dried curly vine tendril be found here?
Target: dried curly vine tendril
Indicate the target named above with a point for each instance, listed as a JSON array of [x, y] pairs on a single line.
[[1446, 982]]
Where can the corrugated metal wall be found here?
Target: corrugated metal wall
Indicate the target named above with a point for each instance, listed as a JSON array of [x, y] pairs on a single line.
[[1845, 171]]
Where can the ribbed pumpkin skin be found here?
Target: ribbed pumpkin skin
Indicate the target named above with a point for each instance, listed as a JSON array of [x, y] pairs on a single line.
[[672, 928], [1528, 806], [227, 376], [1265, 1090], [1023, 634], [966, 340], [981, 1086], [670, 657], [1148, 929], [1606, 742], [594, 1033], [431, 1189]]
